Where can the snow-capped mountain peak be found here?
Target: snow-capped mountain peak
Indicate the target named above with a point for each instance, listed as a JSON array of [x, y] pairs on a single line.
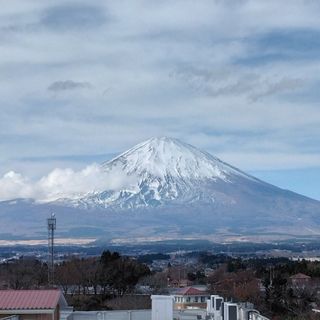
[[160, 170], [167, 187], [168, 157]]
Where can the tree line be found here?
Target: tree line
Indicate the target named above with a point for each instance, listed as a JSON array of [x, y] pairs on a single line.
[[109, 274], [266, 283]]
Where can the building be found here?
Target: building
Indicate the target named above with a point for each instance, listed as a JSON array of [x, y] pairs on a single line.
[[190, 298], [300, 280], [180, 283], [33, 304], [51, 305]]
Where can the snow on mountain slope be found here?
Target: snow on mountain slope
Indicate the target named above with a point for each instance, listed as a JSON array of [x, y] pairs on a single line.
[[163, 157], [166, 187], [160, 170]]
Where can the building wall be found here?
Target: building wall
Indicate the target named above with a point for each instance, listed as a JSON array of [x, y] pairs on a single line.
[[131, 315], [183, 306], [35, 317], [30, 316], [111, 315], [300, 282], [183, 302], [191, 299], [57, 313]]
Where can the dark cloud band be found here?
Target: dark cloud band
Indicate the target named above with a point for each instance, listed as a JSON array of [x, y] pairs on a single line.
[[68, 85]]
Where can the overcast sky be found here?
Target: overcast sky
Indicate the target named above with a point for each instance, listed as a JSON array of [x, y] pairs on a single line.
[[81, 81]]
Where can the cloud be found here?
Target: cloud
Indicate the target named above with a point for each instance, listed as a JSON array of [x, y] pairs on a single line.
[[177, 68], [14, 185], [284, 85], [73, 184], [61, 183], [68, 85], [235, 81], [73, 17]]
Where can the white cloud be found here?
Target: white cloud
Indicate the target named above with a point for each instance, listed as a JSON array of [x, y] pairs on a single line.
[[215, 100], [14, 185], [60, 183], [69, 183]]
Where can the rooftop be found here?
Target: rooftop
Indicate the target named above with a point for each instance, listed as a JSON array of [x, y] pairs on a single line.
[[190, 291], [29, 299], [300, 276]]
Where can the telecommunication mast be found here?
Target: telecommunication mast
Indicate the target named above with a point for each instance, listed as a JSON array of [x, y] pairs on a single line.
[[51, 227]]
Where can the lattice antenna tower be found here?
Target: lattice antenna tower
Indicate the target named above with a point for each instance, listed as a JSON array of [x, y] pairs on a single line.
[[51, 227]]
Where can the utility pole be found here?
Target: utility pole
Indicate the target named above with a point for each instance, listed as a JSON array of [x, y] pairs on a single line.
[[51, 227]]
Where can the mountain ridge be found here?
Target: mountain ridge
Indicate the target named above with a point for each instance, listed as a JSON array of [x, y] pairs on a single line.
[[163, 169], [172, 189]]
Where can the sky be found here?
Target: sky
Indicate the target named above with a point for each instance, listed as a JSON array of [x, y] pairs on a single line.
[[81, 81]]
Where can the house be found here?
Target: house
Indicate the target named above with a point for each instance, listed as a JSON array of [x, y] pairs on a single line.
[[180, 283], [300, 280], [190, 298], [208, 272], [33, 304]]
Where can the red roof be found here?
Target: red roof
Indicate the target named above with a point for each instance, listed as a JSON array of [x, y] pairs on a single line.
[[29, 299], [300, 276], [189, 291]]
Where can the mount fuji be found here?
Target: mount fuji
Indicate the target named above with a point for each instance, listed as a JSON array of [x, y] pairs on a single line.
[[163, 171], [171, 189]]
